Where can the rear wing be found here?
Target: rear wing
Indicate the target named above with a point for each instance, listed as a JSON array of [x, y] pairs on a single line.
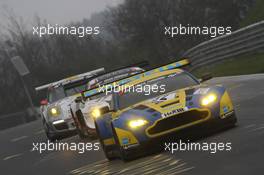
[[141, 64], [71, 79], [173, 65]]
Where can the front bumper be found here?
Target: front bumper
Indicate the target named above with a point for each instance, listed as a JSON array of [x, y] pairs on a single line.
[[188, 133], [62, 127], [178, 122]]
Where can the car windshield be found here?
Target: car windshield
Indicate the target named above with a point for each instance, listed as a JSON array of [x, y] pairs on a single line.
[[67, 90], [166, 84], [74, 90], [98, 96], [112, 77], [56, 94]]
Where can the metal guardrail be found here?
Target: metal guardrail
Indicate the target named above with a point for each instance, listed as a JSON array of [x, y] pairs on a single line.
[[17, 118], [243, 41]]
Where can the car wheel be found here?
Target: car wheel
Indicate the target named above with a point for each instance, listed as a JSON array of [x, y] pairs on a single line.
[[51, 137], [124, 154], [234, 120], [108, 151], [81, 126], [81, 134]]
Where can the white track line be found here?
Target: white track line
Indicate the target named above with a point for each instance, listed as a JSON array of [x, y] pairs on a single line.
[[13, 156], [19, 138]]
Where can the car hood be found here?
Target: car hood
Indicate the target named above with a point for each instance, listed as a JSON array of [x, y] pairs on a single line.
[[64, 105], [65, 101], [180, 100]]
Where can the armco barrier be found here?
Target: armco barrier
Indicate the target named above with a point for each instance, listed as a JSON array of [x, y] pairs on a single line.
[[14, 119], [243, 41]]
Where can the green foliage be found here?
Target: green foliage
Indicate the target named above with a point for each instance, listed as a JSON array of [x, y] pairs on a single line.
[[255, 14]]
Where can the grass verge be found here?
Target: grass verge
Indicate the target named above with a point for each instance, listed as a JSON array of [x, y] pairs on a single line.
[[255, 14], [249, 64]]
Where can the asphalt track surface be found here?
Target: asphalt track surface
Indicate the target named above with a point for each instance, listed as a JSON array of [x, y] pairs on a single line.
[[246, 156]]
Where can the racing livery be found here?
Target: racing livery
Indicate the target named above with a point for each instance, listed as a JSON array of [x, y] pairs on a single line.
[[136, 119], [55, 111], [86, 110]]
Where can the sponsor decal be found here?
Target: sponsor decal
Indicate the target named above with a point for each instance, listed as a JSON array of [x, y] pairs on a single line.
[[125, 141], [225, 109], [201, 91], [174, 112]]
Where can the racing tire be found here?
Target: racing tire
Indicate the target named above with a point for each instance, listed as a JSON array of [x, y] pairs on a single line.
[[108, 151], [124, 155], [50, 137], [81, 126], [81, 135], [233, 119]]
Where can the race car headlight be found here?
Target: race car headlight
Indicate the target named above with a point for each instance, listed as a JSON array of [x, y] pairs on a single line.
[[99, 111], [54, 111], [96, 113], [137, 123], [209, 99]]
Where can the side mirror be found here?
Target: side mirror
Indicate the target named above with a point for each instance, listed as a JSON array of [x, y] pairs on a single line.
[[78, 99], [44, 102], [206, 77]]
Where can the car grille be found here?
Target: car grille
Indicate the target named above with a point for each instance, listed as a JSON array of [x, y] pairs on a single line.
[[61, 126], [177, 120]]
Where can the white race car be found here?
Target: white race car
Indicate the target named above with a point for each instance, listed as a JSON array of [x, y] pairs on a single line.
[[83, 110], [55, 110]]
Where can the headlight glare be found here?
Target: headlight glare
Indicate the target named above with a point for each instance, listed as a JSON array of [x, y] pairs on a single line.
[[54, 111], [137, 123], [96, 113], [208, 99]]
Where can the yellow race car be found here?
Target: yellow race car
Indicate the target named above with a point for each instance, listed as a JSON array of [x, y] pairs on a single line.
[[136, 119]]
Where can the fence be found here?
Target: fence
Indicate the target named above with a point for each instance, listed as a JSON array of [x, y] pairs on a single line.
[[243, 41], [14, 119]]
